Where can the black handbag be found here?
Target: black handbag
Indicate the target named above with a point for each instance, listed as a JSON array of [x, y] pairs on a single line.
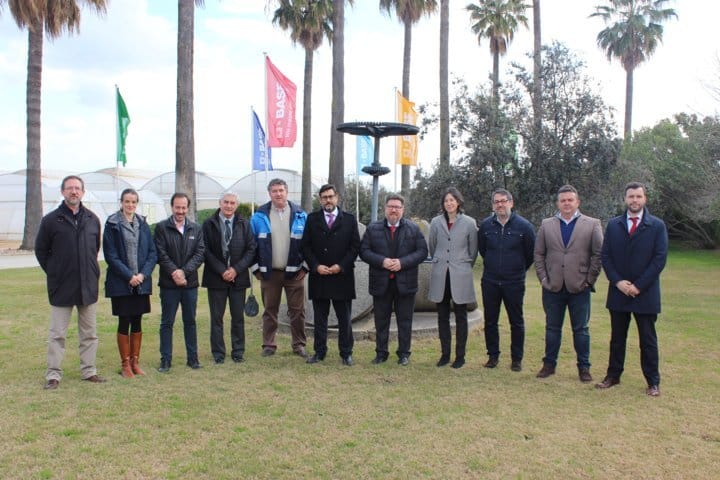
[[251, 304]]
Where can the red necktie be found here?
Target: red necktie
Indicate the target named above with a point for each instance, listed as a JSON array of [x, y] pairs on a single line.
[[634, 225], [392, 231]]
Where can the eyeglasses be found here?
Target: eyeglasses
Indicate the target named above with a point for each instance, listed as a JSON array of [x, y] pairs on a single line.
[[501, 202], [394, 207], [327, 197]]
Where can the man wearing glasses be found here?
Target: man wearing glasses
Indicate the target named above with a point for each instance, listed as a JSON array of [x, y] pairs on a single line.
[[330, 244], [506, 242], [393, 248]]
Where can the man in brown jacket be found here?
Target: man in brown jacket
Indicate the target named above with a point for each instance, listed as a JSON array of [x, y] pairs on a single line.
[[567, 261]]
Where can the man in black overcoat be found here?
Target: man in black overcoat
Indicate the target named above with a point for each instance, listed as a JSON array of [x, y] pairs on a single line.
[[330, 244]]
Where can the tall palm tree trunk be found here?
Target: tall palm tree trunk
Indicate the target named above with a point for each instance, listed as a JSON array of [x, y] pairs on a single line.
[[184, 130], [537, 82], [306, 191], [405, 169], [628, 103], [33, 180], [336, 170], [444, 100]]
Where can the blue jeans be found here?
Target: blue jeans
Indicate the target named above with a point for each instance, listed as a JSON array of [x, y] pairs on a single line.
[[170, 299], [578, 304]]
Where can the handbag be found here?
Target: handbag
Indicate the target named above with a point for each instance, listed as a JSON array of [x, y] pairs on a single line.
[[251, 304]]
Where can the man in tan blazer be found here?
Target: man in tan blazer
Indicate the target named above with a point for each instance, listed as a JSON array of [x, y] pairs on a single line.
[[567, 262]]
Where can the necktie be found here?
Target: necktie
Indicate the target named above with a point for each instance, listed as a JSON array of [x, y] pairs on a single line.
[[330, 219], [634, 225], [228, 231], [392, 231]]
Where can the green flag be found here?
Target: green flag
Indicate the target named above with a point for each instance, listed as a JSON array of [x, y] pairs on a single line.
[[123, 120]]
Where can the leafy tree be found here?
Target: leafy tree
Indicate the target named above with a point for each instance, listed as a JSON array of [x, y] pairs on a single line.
[[348, 201], [678, 160], [184, 109], [497, 21], [408, 12], [537, 81], [52, 18], [578, 142], [633, 35], [308, 22]]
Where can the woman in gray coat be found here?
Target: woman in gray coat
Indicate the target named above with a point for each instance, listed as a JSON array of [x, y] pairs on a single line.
[[453, 248]]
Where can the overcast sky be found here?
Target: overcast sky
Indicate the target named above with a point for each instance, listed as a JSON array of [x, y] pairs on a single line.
[[133, 46]]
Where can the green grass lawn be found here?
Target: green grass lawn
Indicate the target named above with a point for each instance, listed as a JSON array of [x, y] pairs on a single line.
[[280, 418]]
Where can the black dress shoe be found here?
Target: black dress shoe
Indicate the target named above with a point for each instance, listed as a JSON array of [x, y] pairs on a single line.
[[219, 360], [491, 363], [238, 359], [444, 360], [164, 366], [348, 361], [404, 361], [314, 359], [379, 359], [52, 384], [194, 363], [516, 366], [459, 362]]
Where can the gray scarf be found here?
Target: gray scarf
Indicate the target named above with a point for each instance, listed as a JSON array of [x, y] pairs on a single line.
[[131, 236]]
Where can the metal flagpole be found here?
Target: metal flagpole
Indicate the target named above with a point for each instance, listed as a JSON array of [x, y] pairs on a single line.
[[117, 146]]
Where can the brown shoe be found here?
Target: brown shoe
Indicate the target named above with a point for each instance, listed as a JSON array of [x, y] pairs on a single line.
[[95, 379], [52, 384], [135, 345], [653, 391], [123, 342], [546, 371], [607, 383], [491, 363], [300, 352], [584, 374]]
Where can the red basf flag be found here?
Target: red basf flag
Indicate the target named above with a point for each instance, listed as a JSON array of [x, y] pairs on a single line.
[[281, 94]]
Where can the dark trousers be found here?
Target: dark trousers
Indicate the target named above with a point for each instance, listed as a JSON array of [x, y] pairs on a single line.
[[383, 306], [649, 357], [218, 298], [321, 309], [512, 295], [170, 299], [461, 324], [578, 304]]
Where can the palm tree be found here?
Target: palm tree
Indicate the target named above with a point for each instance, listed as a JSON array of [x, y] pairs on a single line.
[[497, 20], [308, 22], [632, 38], [407, 12], [444, 100], [537, 81], [52, 18], [184, 119], [336, 170]]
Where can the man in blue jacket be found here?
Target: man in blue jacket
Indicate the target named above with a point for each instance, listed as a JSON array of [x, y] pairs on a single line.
[[506, 242], [278, 227], [393, 248], [633, 255]]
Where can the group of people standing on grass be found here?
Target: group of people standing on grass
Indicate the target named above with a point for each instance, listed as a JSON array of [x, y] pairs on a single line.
[[280, 244]]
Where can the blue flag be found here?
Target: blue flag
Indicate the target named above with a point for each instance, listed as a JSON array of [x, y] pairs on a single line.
[[262, 155], [364, 152]]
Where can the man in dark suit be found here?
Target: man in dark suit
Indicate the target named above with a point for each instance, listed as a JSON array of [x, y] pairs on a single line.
[[229, 252], [567, 262], [330, 244], [393, 248], [633, 255]]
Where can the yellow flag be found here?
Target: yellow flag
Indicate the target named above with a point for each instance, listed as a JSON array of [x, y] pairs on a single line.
[[406, 146]]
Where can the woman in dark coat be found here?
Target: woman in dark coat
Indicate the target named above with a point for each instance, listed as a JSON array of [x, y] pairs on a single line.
[[131, 257]]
